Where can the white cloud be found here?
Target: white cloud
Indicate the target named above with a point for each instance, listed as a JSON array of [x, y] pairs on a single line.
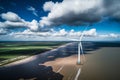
[[71, 12], [79, 12], [2, 31], [111, 35], [61, 35], [10, 16], [33, 10], [91, 32], [103, 36], [9, 24], [14, 21], [33, 25], [62, 32], [72, 33], [48, 6]]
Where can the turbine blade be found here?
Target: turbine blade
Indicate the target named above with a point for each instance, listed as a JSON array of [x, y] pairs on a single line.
[[83, 34]]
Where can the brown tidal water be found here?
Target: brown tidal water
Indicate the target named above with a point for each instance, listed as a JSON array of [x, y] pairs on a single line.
[[102, 64]]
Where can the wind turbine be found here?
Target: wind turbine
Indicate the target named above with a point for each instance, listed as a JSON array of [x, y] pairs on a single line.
[[80, 48]]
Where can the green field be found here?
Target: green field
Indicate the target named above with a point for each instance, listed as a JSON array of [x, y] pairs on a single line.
[[13, 51]]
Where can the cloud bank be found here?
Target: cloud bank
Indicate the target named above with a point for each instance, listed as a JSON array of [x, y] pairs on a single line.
[[61, 35], [80, 12]]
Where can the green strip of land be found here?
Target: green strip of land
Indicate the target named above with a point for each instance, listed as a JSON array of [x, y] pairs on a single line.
[[14, 51]]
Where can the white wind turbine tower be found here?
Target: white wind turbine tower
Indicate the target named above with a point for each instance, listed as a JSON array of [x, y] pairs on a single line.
[[80, 49]]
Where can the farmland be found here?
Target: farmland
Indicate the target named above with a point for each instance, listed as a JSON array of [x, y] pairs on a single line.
[[13, 51]]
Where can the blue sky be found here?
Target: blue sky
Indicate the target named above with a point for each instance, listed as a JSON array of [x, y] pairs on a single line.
[[55, 19], [20, 7]]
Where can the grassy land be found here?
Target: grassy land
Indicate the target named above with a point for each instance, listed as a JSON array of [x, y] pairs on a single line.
[[13, 51]]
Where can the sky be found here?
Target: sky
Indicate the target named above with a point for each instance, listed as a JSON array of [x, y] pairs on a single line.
[[59, 20]]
